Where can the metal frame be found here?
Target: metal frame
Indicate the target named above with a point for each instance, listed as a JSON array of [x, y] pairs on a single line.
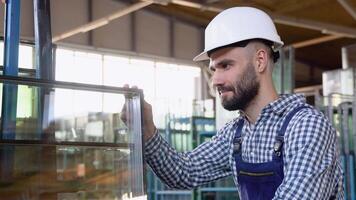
[[55, 143], [45, 80], [135, 98], [9, 97], [69, 85], [43, 35], [283, 73], [12, 37], [11, 53], [43, 57]]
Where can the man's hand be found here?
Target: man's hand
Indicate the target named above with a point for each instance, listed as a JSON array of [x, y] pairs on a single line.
[[149, 128]]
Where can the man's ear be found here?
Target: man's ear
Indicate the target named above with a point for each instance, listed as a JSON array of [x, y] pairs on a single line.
[[261, 60]]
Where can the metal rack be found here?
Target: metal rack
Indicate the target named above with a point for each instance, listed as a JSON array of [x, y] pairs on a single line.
[[39, 160], [223, 189], [44, 163], [339, 109], [185, 134]]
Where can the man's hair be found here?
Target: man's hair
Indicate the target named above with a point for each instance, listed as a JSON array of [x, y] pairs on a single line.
[[272, 54]]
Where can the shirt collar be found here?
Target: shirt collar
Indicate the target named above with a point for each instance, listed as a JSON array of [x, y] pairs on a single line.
[[284, 101]]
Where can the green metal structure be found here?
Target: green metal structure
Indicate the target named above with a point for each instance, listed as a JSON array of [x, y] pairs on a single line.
[[185, 134]]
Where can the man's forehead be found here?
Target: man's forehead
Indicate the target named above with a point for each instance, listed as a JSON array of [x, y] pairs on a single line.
[[222, 61], [229, 53]]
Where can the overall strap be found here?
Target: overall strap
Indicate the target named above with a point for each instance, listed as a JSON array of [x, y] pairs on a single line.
[[237, 141], [277, 147], [288, 118], [239, 127]]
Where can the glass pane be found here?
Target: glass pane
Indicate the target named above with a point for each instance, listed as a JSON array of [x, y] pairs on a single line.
[[116, 71], [1, 53], [26, 57], [64, 65], [172, 78], [88, 68], [175, 90], [24, 104], [65, 172], [141, 73], [120, 70], [78, 66], [70, 144]]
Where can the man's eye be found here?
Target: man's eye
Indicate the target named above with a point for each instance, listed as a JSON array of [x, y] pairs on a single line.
[[225, 66]]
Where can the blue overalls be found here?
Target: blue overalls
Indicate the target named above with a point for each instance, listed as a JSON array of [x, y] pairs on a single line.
[[259, 181]]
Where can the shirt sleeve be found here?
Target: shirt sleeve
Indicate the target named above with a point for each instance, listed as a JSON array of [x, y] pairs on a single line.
[[208, 162], [311, 157]]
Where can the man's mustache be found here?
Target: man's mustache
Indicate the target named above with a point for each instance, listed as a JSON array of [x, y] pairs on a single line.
[[222, 89]]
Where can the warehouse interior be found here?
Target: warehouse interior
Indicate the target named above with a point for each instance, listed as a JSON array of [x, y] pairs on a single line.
[[64, 64]]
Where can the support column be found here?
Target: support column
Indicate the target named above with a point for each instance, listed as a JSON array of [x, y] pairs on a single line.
[[9, 95], [44, 64], [45, 98], [11, 54]]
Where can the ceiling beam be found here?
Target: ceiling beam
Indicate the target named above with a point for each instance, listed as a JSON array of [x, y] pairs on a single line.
[[309, 90], [323, 27], [183, 15], [102, 21], [348, 7], [297, 5], [196, 5], [212, 1], [315, 41]]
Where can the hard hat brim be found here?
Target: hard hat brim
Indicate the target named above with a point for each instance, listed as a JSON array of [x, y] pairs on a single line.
[[202, 56]]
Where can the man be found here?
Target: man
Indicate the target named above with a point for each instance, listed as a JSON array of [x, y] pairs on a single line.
[[279, 147]]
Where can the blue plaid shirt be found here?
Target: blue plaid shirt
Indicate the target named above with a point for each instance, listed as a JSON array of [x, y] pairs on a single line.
[[311, 160]]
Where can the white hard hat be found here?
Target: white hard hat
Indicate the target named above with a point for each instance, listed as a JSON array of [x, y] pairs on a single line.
[[239, 24]]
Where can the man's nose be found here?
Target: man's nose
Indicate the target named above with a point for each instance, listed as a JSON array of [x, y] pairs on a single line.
[[217, 79]]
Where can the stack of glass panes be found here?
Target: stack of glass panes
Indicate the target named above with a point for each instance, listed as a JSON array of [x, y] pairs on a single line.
[[57, 144]]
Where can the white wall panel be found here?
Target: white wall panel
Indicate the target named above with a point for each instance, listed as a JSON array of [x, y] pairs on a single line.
[[2, 13], [27, 28], [302, 70], [69, 14], [115, 35], [152, 34], [26, 20], [187, 41]]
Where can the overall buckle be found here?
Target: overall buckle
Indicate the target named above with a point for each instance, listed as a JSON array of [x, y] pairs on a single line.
[[237, 145], [277, 147]]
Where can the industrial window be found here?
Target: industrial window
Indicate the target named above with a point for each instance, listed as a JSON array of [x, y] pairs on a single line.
[[169, 87], [25, 56], [26, 61]]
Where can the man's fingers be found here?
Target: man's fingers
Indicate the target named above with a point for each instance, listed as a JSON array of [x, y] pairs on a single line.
[[123, 117], [123, 114], [128, 86]]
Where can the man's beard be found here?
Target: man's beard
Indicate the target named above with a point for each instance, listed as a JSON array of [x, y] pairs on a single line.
[[244, 90]]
